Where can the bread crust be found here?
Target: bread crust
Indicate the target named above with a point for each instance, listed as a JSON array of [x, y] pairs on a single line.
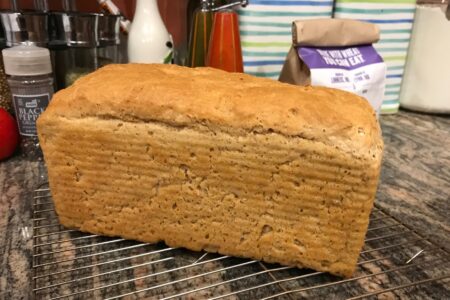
[[183, 96], [205, 159]]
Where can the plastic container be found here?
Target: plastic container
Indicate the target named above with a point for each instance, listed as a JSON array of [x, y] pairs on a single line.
[[29, 73]]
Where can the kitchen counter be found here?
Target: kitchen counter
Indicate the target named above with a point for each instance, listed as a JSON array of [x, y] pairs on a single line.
[[414, 188]]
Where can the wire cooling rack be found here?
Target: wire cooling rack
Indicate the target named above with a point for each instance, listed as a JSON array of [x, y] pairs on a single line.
[[396, 262]]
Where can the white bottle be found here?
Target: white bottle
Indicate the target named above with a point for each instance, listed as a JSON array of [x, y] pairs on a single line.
[[149, 41]]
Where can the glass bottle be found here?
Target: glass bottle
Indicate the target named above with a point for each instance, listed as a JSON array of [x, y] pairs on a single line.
[[200, 34], [30, 79], [225, 31]]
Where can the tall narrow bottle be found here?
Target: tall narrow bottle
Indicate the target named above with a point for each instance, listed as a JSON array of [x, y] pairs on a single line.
[[224, 51], [199, 35]]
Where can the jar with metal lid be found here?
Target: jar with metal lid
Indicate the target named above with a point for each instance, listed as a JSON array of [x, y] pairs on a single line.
[[30, 79], [25, 27], [74, 42], [108, 36], [82, 40]]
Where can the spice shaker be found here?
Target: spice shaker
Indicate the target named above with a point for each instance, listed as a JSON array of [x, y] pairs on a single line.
[[29, 72]]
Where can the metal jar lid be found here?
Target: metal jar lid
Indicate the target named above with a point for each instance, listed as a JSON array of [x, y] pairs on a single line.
[[25, 27], [81, 29], [108, 30], [57, 33], [74, 29]]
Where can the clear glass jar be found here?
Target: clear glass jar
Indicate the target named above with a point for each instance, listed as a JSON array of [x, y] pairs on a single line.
[[108, 55], [109, 39], [82, 61]]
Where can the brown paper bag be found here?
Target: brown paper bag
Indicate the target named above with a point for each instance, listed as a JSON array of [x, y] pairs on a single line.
[[323, 33]]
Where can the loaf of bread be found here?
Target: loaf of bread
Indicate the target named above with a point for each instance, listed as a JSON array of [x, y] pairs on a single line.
[[224, 162]]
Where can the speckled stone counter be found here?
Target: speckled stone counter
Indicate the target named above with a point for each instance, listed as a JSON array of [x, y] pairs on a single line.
[[414, 188]]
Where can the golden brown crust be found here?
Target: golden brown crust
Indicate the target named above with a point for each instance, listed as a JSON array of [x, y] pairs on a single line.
[[205, 159], [183, 96], [261, 196]]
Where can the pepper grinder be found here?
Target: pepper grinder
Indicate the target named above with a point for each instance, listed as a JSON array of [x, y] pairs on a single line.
[[225, 43]]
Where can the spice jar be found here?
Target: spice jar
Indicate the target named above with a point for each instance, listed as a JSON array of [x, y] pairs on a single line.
[[109, 40], [25, 26], [73, 43], [29, 72], [82, 41]]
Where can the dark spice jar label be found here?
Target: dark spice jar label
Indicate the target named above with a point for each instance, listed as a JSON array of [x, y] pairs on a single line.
[[28, 108]]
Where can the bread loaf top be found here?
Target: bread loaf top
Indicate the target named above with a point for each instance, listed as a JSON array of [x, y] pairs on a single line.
[[210, 98]]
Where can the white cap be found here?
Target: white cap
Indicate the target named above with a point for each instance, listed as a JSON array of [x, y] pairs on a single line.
[[27, 60]]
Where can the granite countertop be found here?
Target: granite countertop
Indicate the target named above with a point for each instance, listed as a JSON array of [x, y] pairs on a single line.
[[414, 188]]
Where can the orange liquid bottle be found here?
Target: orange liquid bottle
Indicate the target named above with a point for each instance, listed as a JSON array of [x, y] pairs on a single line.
[[224, 51]]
